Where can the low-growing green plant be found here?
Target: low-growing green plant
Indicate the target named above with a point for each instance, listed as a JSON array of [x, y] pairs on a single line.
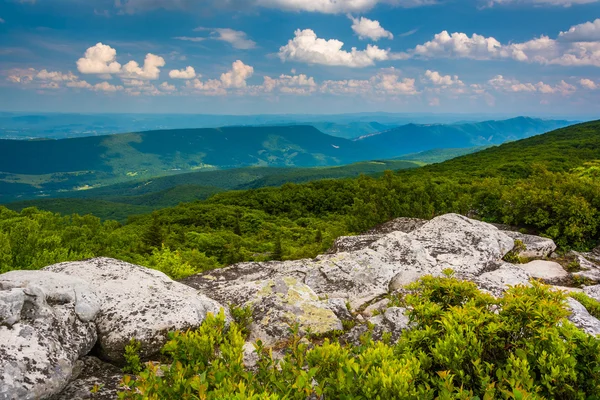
[[133, 364], [513, 255], [242, 317], [464, 344], [592, 305], [348, 324]]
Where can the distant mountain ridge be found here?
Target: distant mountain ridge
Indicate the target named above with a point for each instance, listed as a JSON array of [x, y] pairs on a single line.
[[413, 138], [32, 168]]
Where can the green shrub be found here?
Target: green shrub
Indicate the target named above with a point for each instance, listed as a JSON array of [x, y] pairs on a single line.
[[133, 363], [464, 345], [513, 255], [592, 305]]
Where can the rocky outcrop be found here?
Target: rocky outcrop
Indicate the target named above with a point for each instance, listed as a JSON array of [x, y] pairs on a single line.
[[535, 246], [50, 320], [137, 302], [46, 325], [359, 276]]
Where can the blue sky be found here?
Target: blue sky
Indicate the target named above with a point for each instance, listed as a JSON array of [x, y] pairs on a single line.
[[537, 57]]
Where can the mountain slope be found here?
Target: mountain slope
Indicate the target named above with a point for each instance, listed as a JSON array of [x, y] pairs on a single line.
[[417, 138]]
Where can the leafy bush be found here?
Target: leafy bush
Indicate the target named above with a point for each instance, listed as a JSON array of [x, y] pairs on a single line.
[[133, 363], [592, 305], [464, 344]]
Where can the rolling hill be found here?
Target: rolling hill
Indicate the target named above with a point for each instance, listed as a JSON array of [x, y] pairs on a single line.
[[121, 200], [68, 167]]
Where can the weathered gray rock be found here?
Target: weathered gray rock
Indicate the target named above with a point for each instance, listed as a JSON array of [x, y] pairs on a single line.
[[45, 327], [339, 308], [138, 302], [92, 372], [406, 225], [548, 271], [377, 307], [450, 241], [352, 243], [499, 280], [589, 264], [593, 291], [536, 246], [283, 302], [582, 319]]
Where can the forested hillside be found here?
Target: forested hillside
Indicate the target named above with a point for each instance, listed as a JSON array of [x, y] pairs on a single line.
[[548, 184], [121, 200], [59, 168]]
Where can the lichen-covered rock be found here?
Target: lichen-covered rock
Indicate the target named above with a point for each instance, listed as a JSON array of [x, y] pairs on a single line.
[[406, 225], [499, 280], [283, 302], [548, 271], [536, 246], [138, 302], [593, 291], [449, 241], [589, 263], [45, 327], [582, 319], [352, 243], [92, 373]]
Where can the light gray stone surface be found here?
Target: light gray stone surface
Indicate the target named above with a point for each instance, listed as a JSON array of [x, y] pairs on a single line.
[[536, 247], [138, 302], [582, 319], [45, 327], [548, 271], [449, 241]]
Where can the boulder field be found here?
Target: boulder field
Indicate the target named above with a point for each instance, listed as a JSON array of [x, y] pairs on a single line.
[[63, 329]]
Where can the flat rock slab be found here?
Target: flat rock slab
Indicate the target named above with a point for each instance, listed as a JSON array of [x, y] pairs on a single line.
[[536, 246], [45, 327], [548, 271], [138, 302], [499, 280]]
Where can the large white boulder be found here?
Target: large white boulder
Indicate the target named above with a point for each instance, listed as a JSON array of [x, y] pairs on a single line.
[[137, 302], [46, 325]]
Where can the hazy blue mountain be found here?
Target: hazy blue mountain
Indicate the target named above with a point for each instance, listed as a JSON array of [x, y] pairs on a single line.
[[414, 138]]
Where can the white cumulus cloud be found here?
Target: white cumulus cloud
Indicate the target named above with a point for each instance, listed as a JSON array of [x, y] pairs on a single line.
[[369, 29], [99, 59], [167, 87], [338, 6], [443, 80], [106, 87], [308, 48], [588, 84], [150, 70], [587, 32], [187, 73], [237, 76]]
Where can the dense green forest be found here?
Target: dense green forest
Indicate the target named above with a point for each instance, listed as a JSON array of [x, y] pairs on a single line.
[[121, 200], [52, 168], [548, 184]]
